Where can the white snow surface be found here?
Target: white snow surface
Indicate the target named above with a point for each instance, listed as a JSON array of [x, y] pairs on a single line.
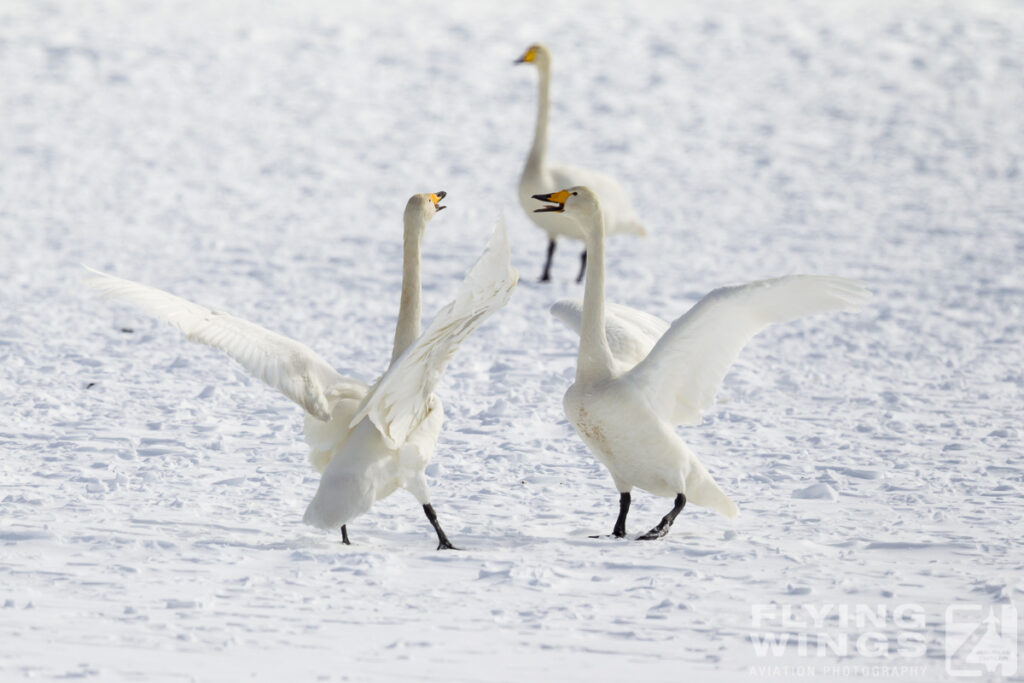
[[256, 157]]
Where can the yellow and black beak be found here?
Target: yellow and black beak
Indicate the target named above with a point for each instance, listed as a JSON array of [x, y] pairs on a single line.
[[436, 198], [528, 56], [558, 198]]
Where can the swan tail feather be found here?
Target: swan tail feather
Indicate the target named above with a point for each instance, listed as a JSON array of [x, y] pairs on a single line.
[[708, 494]]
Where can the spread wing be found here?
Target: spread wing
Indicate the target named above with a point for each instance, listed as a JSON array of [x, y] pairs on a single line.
[[399, 401], [631, 333], [290, 367], [685, 368]]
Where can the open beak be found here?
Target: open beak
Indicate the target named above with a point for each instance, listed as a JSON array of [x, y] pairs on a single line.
[[558, 198], [436, 198]]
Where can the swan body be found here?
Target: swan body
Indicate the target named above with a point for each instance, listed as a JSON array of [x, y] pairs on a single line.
[[638, 377], [367, 441], [366, 467], [540, 176]]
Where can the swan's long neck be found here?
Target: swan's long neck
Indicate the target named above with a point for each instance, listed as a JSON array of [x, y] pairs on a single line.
[[540, 133], [408, 328], [595, 356]]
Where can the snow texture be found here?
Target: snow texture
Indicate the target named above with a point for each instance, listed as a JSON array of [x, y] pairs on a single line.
[[256, 158]]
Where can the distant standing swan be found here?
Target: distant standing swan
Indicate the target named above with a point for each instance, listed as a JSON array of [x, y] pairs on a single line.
[[367, 441], [540, 176], [627, 399]]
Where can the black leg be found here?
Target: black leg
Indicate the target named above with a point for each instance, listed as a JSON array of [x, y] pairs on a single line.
[[666, 521], [583, 266], [546, 275], [442, 541], [620, 524], [344, 535]]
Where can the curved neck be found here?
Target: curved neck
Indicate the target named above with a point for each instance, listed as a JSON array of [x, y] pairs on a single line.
[[408, 327], [595, 357], [540, 133]]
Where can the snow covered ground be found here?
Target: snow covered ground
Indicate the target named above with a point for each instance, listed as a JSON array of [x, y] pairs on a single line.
[[256, 157]]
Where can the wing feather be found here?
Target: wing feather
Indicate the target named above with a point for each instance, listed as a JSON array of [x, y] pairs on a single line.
[[400, 399], [685, 368], [290, 367]]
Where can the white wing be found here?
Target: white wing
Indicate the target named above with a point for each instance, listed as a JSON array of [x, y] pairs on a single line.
[[685, 368], [399, 401], [631, 333], [290, 367]]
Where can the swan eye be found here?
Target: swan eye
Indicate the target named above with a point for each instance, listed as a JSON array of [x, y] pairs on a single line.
[[574, 194]]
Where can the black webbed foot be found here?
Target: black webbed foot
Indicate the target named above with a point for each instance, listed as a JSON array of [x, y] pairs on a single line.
[[654, 534], [666, 522]]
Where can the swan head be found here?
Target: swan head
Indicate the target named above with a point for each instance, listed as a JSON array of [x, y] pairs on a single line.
[[535, 54], [579, 203], [422, 207]]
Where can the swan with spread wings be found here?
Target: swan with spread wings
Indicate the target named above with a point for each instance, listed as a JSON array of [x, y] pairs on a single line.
[[637, 377], [368, 441]]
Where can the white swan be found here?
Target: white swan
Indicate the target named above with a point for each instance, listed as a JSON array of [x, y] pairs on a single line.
[[540, 176], [367, 441], [637, 377]]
